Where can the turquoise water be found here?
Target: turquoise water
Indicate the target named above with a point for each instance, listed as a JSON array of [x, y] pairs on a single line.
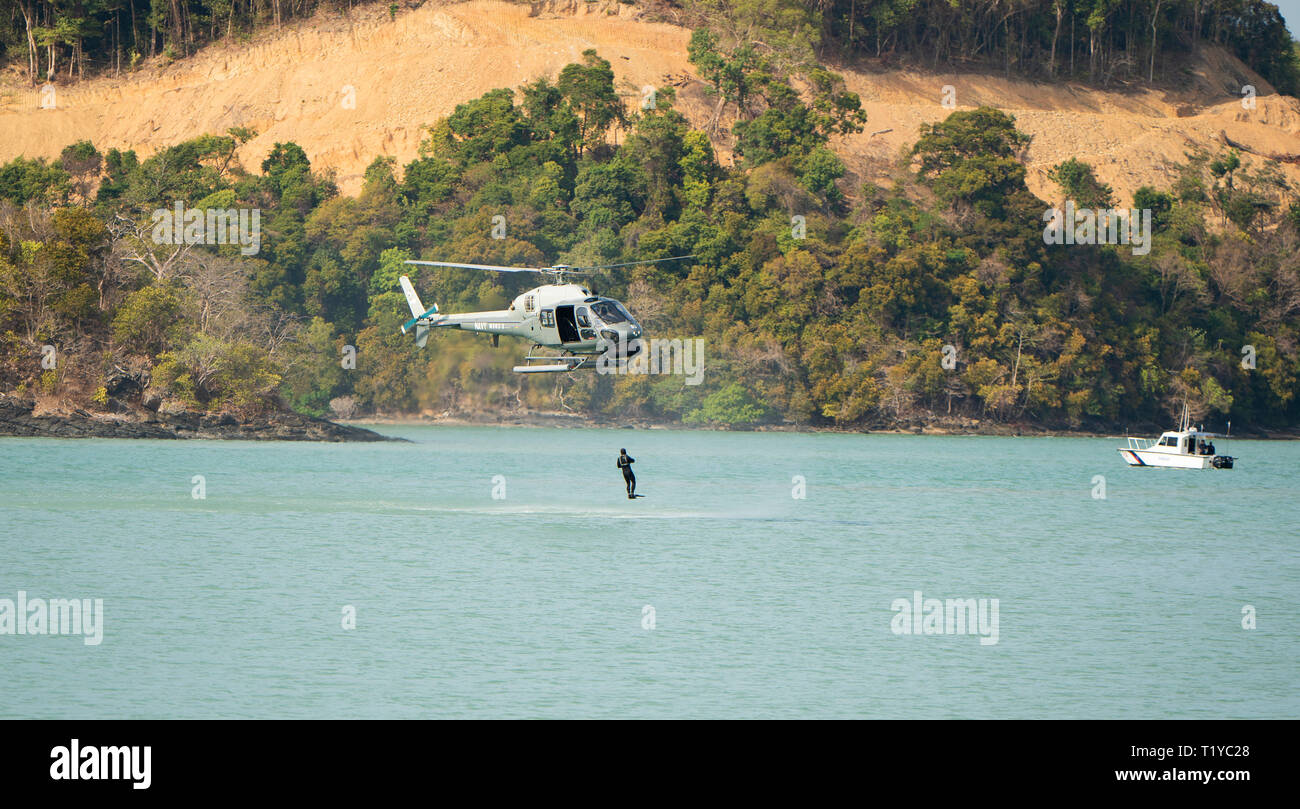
[[764, 605]]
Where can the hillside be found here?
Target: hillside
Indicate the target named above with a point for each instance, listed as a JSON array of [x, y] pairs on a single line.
[[848, 251], [291, 85]]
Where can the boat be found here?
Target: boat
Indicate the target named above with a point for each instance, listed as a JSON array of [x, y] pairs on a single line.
[[1184, 448]]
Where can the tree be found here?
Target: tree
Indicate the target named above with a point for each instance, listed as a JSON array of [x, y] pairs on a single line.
[[1080, 185], [146, 318], [23, 181], [83, 163], [731, 405], [480, 129], [973, 156], [589, 89]]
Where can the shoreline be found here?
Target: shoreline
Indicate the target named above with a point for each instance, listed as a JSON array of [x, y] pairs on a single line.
[[949, 428], [19, 420]]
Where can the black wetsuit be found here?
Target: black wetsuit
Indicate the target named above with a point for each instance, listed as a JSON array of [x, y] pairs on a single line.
[[625, 463]]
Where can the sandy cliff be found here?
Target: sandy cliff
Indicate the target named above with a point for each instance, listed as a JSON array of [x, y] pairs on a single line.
[[350, 88]]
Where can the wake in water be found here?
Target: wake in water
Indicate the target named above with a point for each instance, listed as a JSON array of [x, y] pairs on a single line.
[[565, 510], [581, 512]]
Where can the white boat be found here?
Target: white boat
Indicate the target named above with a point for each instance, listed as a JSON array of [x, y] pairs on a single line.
[[1184, 448]]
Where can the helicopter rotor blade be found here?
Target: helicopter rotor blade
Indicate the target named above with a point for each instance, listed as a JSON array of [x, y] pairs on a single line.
[[633, 263], [497, 268], [491, 267]]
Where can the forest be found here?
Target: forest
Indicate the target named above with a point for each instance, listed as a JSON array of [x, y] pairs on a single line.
[[934, 296], [1100, 41]]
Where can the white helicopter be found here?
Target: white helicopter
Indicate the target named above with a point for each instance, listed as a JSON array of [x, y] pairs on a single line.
[[558, 317]]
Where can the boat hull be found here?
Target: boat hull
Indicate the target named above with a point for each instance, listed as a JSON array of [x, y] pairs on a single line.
[[1173, 460]]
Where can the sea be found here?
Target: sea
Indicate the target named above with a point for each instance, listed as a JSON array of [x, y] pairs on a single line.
[[502, 572]]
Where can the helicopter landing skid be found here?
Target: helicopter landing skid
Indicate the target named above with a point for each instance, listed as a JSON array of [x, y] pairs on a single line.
[[568, 361]]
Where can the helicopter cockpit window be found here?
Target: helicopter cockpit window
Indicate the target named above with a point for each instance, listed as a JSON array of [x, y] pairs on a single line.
[[582, 317], [610, 312], [548, 317]]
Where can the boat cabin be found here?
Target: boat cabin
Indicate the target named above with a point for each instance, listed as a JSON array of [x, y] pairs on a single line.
[[1188, 442]]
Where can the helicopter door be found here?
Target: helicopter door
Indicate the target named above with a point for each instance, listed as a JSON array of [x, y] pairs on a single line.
[[585, 331], [565, 324]]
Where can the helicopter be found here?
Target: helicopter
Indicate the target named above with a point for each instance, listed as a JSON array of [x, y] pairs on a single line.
[[575, 326]]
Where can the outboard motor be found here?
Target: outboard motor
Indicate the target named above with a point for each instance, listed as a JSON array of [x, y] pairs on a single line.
[[1221, 462]]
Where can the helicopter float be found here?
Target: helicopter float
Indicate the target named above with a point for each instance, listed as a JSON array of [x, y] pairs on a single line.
[[566, 319]]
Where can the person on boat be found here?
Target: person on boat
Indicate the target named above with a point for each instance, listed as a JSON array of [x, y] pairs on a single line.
[[625, 462]]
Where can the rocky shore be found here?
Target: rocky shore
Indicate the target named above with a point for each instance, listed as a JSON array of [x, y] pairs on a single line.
[[17, 419], [931, 425]]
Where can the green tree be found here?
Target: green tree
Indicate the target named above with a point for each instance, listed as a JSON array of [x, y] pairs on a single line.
[[147, 318], [1080, 185], [973, 156], [731, 405], [589, 89]]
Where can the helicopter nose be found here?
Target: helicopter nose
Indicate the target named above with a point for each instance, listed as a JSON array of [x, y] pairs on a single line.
[[619, 331], [622, 340]]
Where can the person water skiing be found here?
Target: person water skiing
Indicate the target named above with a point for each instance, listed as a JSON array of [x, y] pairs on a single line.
[[625, 462]]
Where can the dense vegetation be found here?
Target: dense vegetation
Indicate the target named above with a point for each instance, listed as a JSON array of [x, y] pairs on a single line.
[[1099, 40], [1095, 39], [838, 318]]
